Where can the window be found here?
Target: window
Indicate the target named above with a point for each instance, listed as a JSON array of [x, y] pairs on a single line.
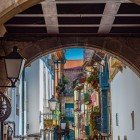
[[118, 137], [117, 119], [132, 119], [69, 112], [125, 137]]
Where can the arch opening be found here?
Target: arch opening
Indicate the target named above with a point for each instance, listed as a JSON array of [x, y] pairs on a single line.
[[87, 46], [43, 78]]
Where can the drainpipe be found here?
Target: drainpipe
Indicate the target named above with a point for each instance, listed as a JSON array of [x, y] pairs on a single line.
[[23, 92]]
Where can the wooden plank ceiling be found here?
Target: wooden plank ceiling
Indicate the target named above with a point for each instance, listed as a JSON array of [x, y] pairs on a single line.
[[77, 17]]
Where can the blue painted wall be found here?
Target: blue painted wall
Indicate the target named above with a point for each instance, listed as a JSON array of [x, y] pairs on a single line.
[[104, 84]]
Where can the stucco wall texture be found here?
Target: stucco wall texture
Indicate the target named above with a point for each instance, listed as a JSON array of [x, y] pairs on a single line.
[[125, 99]]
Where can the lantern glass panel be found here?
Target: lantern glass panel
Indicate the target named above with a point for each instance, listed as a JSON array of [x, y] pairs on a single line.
[[63, 125], [52, 105], [14, 67]]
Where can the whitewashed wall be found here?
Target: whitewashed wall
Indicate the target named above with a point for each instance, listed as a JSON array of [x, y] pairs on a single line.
[[41, 90], [125, 89], [39, 87], [14, 116], [32, 78], [15, 95]]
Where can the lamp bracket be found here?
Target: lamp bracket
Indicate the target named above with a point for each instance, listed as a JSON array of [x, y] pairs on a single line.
[[8, 86], [13, 82]]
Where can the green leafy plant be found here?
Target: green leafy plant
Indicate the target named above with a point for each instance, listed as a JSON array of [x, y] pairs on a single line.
[[90, 78], [75, 83], [93, 79], [86, 98], [96, 109], [61, 85], [67, 125]]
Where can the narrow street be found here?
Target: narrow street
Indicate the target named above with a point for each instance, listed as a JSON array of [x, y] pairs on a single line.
[[69, 69]]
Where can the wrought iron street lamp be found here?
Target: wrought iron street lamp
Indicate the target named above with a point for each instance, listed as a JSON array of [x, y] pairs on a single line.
[[53, 103], [63, 122], [63, 129], [63, 125], [14, 64]]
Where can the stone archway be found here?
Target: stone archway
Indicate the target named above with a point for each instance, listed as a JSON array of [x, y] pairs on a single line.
[[10, 8], [136, 1], [126, 49]]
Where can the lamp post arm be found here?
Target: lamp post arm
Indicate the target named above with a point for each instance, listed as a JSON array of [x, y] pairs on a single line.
[[7, 86], [13, 82]]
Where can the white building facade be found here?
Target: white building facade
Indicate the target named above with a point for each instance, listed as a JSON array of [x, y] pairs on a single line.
[[125, 92], [29, 100]]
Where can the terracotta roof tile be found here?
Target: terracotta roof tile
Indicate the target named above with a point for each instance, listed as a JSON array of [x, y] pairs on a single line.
[[70, 64]]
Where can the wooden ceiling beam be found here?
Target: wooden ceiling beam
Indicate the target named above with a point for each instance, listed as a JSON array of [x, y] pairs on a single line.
[[89, 1], [76, 15], [111, 9], [50, 15], [70, 25]]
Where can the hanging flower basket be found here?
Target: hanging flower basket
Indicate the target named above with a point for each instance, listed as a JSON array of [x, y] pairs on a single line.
[[77, 110], [48, 123], [78, 88], [95, 83], [93, 79], [82, 80], [95, 112], [90, 79]]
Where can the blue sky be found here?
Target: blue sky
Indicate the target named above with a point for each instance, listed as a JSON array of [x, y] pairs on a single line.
[[74, 53]]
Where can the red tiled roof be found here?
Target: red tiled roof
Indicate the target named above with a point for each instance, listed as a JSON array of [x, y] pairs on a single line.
[[70, 64]]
